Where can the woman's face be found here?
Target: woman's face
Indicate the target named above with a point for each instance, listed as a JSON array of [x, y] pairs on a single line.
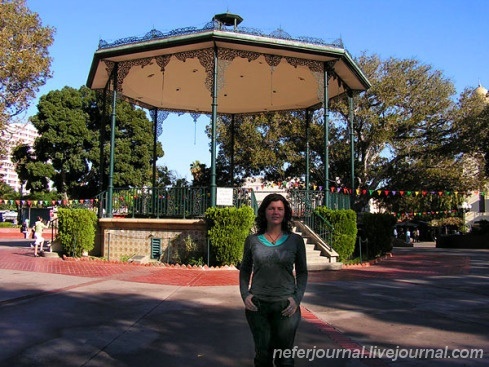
[[275, 212]]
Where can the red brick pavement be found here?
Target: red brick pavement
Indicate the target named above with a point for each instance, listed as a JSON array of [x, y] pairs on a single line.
[[398, 266], [15, 234]]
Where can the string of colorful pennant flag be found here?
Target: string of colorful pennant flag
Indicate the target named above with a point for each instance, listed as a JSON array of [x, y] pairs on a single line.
[[340, 190], [386, 193], [47, 203]]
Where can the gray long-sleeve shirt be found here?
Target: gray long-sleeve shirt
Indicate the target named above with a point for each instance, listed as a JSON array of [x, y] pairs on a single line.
[[272, 267]]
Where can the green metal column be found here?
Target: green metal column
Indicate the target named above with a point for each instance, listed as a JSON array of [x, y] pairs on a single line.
[[352, 147], [308, 132], [214, 133], [155, 141], [112, 143], [326, 137], [231, 169]]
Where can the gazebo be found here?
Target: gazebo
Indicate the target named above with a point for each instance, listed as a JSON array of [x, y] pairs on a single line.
[[224, 69]]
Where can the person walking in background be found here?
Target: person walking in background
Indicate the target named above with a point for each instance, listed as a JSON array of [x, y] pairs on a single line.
[[39, 239], [408, 236], [416, 235], [24, 229], [273, 299]]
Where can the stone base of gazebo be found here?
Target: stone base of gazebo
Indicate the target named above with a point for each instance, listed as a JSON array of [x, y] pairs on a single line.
[[120, 239]]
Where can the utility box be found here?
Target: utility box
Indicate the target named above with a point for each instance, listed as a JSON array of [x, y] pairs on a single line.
[[155, 248]]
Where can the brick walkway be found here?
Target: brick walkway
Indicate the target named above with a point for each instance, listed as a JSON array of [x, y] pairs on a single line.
[[397, 266], [402, 265]]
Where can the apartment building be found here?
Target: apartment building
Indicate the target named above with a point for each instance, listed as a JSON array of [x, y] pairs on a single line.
[[13, 135]]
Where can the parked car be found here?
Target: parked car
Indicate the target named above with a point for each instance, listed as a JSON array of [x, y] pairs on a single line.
[[8, 216]]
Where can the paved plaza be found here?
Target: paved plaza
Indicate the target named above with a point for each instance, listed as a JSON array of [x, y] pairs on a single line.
[[55, 312]]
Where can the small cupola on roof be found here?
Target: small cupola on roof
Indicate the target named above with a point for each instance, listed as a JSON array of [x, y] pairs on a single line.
[[228, 19]]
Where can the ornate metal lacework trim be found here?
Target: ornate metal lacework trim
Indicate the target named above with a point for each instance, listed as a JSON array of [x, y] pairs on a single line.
[[158, 35], [206, 59], [159, 116]]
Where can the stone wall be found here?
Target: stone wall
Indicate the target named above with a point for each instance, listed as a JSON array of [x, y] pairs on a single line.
[[120, 238]]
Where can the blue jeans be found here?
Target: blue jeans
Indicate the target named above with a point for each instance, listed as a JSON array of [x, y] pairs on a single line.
[[272, 331]]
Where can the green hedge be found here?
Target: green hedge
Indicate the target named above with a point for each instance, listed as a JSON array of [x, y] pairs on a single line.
[[378, 229], [344, 222], [76, 230], [228, 229], [8, 225]]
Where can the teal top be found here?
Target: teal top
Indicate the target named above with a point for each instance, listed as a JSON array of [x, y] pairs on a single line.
[[266, 242]]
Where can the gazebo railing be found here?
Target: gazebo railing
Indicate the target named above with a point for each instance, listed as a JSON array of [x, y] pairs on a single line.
[[175, 202], [302, 201], [185, 202]]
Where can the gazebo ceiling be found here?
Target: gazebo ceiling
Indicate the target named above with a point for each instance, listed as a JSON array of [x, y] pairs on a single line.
[[255, 73]]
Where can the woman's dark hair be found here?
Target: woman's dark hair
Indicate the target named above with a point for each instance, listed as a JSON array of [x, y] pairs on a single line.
[[261, 220]]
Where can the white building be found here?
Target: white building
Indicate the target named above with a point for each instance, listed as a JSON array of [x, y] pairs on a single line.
[[12, 136]]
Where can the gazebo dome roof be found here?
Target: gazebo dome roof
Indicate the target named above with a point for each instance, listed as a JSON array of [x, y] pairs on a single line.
[[255, 72]]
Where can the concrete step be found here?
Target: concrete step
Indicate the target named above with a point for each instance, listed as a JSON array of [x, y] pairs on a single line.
[[315, 260], [324, 266]]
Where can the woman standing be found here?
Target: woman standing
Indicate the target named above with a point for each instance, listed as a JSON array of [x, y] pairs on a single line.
[[272, 302]]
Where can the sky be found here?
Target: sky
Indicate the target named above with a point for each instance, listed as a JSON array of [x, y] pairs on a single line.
[[449, 35]]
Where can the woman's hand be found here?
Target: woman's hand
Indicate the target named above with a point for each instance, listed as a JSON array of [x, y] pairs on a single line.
[[249, 305], [291, 308]]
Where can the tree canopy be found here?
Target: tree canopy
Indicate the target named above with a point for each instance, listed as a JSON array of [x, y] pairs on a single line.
[[24, 58], [69, 123]]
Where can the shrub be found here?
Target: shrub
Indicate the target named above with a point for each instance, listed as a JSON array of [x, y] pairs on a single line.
[[76, 230], [377, 229], [8, 225], [344, 222], [228, 229], [184, 250]]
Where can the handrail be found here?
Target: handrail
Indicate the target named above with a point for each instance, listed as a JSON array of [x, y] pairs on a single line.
[[54, 228], [321, 226], [254, 203]]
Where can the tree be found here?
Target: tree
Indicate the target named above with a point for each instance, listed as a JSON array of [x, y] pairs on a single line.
[[401, 125], [69, 124], [269, 144], [24, 59], [65, 140], [7, 192], [165, 177], [471, 131], [33, 173]]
